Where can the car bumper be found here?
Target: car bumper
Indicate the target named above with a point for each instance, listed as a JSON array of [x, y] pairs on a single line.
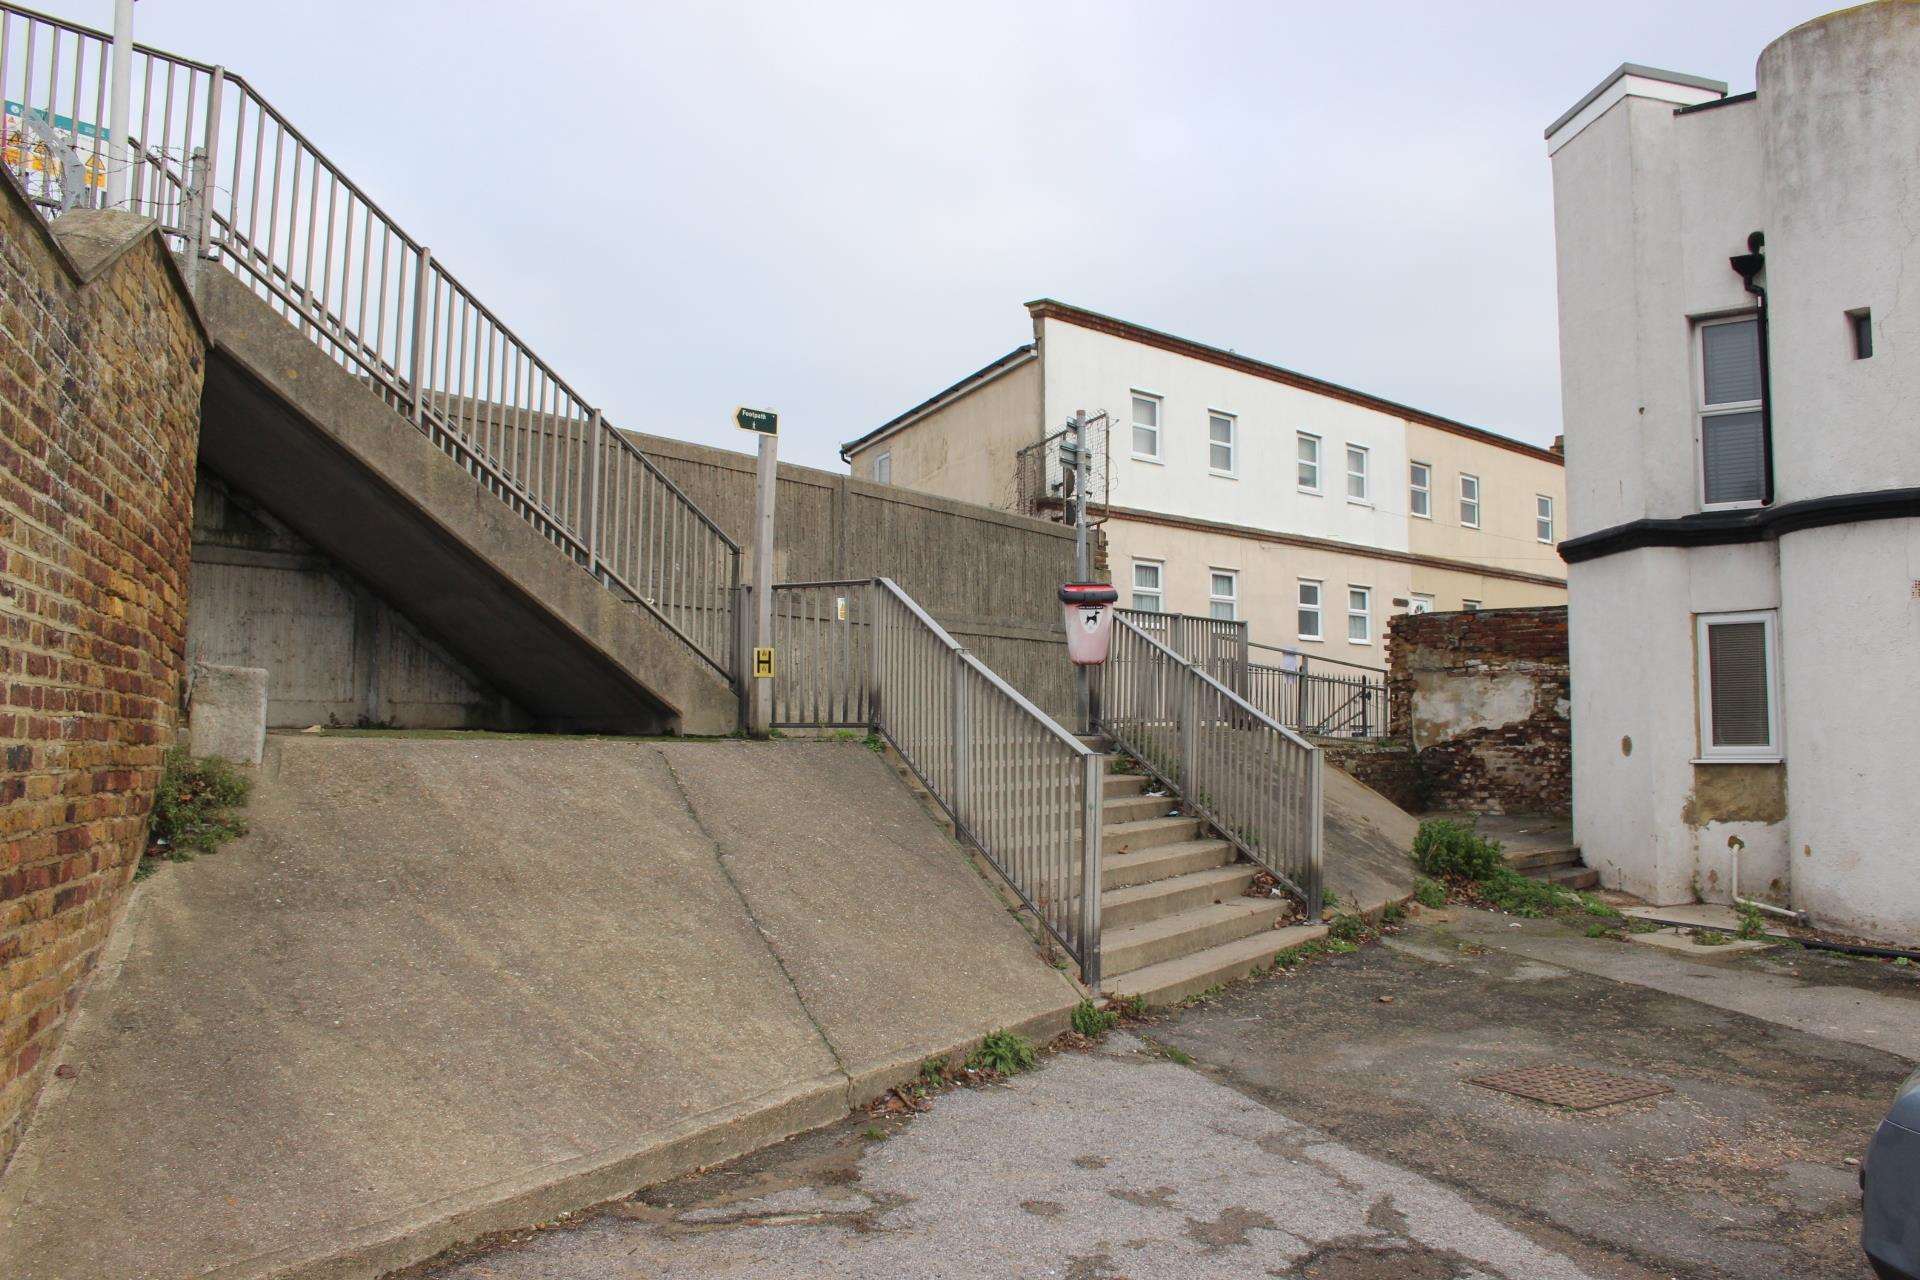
[[1890, 1203]]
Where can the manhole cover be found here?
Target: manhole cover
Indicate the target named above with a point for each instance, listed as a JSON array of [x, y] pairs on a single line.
[[1576, 1088]]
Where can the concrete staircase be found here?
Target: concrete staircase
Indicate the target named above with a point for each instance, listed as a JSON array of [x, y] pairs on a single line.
[[1562, 866], [1174, 916]]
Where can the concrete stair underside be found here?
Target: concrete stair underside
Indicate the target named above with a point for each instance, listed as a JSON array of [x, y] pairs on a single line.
[[1175, 917]]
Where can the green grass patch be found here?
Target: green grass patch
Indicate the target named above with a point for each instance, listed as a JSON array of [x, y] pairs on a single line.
[[1003, 1053], [1449, 850], [193, 807], [1091, 1021], [1457, 862]]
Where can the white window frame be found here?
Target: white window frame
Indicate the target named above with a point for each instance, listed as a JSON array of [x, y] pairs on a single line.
[[1158, 428], [1543, 514], [1469, 606], [1319, 462], [1159, 594], [1467, 478], [1417, 489], [1769, 752], [1702, 411], [1365, 496], [1364, 613], [1232, 443], [1317, 608], [1231, 599], [1420, 604], [883, 467]]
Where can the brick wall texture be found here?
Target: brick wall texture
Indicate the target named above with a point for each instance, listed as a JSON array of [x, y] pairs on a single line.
[[99, 423], [1484, 699]]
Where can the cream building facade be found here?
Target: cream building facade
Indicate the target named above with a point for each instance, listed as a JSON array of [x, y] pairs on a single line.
[[1740, 359], [1237, 488]]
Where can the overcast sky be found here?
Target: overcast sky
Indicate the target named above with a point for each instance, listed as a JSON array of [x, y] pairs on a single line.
[[835, 210]]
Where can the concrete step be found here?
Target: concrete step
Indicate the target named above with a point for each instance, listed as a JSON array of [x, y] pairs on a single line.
[[1163, 862], [1182, 934], [1132, 837], [1529, 859], [1125, 784], [1172, 981], [1119, 809], [1140, 903], [1568, 877]]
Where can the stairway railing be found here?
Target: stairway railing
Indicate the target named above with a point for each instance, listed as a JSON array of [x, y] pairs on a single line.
[[1256, 781], [230, 178], [1017, 785]]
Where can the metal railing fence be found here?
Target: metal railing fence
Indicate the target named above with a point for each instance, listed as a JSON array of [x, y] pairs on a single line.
[[230, 178], [1018, 787], [1256, 781], [1218, 645], [1321, 696], [824, 658]]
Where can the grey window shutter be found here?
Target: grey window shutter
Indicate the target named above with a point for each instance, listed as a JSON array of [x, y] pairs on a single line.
[[1731, 353], [1734, 456], [1737, 669]]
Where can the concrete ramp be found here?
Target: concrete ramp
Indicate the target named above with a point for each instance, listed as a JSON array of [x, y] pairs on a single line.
[[455, 985], [1368, 842]]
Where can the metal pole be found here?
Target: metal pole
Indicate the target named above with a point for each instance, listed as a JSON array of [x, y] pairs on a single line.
[[202, 228], [120, 110], [768, 480], [196, 213], [962, 743], [1091, 784], [1083, 681], [591, 531], [417, 346]]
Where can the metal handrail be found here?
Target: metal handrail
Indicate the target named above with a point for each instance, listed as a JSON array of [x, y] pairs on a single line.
[[1017, 786], [1305, 655], [229, 178], [1255, 780]]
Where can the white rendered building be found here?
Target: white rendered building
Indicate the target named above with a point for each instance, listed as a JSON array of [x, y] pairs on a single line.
[[1740, 352]]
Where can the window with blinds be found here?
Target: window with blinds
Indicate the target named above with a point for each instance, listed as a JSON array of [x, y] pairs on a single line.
[[1733, 446], [1737, 686]]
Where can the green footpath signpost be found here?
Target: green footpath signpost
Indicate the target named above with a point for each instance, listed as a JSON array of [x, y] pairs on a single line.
[[765, 421], [766, 424]]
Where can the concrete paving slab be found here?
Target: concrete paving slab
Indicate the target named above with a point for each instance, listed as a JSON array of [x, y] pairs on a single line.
[[1687, 942], [1833, 997], [452, 986]]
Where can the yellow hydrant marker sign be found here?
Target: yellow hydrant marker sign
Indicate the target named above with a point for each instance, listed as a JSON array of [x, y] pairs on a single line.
[[763, 663]]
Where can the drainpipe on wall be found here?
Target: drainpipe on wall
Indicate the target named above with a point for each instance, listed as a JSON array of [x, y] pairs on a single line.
[[1749, 265]]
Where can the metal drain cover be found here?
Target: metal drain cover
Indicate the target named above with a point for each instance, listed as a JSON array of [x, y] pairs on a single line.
[[1575, 1088]]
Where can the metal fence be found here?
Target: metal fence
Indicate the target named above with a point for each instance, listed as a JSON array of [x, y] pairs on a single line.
[[1218, 645], [231, 179], [824, 656], [1320, 696], [1042, 481], [1019, 787], [1256, 781]]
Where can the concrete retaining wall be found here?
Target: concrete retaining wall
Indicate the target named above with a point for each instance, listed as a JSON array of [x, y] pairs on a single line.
[[335, 653], [988, 576]]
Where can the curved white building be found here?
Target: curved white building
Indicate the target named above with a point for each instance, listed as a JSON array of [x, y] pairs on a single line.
[[1740, 353]]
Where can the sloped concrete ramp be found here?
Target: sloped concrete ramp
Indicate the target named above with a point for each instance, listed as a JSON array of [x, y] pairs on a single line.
[[453, 986], [1367, 844]]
